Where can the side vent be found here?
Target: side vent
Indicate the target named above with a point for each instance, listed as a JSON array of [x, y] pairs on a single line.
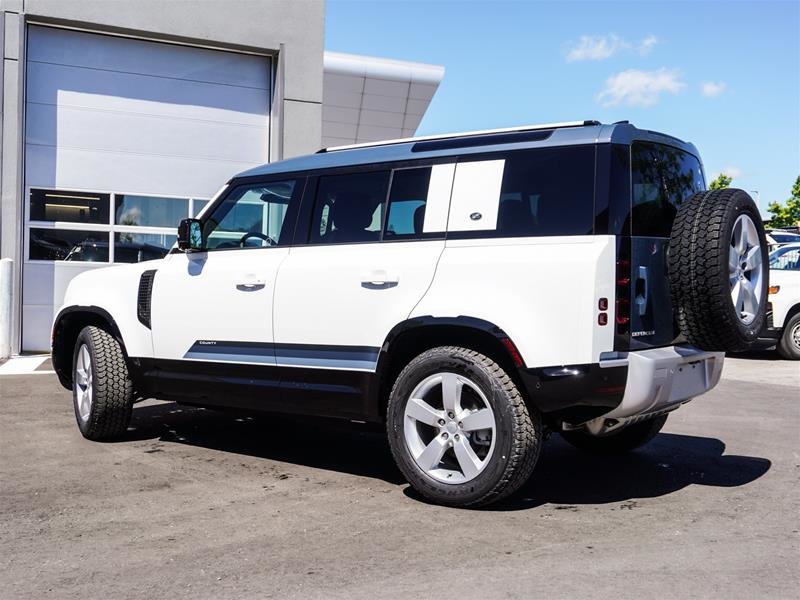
[[145, 293]]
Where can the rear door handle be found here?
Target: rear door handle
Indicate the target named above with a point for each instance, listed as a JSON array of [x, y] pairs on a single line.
[[379, 278], [641, 291]]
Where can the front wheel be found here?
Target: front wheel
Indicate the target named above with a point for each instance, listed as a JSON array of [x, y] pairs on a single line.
[[459, 429], [619, 441], [789, 346], [102, 391]]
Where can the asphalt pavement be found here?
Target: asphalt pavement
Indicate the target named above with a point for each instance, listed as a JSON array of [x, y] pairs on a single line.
[[200, 504]]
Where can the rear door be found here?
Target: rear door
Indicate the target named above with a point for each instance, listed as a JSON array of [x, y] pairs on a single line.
[[662, 177], [374, 239]]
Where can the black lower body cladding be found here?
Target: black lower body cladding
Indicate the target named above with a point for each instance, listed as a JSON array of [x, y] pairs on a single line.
[[718, 270]]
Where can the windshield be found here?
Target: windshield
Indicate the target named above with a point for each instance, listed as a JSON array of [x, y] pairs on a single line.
[[785, 259]]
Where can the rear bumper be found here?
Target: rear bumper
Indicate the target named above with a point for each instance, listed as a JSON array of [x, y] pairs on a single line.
[[624, 387], [661, 379]]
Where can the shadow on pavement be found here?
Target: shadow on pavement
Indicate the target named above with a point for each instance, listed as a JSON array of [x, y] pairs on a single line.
[[760, 354], [564, 476], [330, 444]]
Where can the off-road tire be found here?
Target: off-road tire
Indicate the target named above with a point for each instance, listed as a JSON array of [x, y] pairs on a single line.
[[699, 273], [786, 347], [112, 389], [617, 442], [518, 430]]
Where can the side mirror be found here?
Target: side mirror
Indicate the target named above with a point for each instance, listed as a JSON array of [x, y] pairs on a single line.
[[190, 235]]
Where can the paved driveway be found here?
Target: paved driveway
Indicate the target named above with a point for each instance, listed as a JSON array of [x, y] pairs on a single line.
[[198, 504]]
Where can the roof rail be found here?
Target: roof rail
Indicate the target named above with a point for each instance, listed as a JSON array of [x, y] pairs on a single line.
[[446, 136]]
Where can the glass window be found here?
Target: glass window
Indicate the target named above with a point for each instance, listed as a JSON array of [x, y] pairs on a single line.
[[138, 247], [73, 207], [785, 259], [548, 191], [251, 217], [149, 211], [407, 200], [784, 237], [662, 178], [67, 244], [349, 208]]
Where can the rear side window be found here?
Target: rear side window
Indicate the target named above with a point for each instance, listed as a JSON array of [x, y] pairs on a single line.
[[407, 203], [542, 192], [662, 177], [349, 208]]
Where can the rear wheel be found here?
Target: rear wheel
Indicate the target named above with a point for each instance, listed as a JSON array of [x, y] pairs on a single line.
[[102, 391], [459, 429], [619, 441], [789, 345]]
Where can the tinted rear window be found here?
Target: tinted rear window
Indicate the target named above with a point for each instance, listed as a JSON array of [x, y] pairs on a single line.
[[544, 192], [662, 178]]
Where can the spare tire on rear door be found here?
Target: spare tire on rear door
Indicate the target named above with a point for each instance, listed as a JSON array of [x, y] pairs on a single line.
[[718, 270]]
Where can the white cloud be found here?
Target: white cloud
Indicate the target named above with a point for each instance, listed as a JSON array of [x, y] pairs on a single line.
[[711, 89], [639, 88], [601, 47], [647, 44], [732, 172]]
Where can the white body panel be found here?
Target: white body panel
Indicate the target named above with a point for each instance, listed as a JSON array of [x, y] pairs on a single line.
[[543, 292], [220, 296], [351, 294], [788, 296], [120, 115], [115, 290]]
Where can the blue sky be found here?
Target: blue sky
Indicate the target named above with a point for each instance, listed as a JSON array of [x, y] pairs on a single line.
[[724, 75]]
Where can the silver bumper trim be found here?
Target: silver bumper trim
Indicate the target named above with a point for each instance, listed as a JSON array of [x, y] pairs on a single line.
[[661, 378]]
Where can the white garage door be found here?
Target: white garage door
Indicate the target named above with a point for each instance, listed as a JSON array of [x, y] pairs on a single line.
[[123, 137]]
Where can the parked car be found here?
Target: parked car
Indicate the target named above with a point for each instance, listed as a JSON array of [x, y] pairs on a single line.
[[777, 238], [471, 292], [783, 323]]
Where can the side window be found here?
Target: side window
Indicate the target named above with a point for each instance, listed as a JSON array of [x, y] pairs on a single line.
[[785, 259], [252, 216], [407, 203], [662, 178], [349, 208], [542, 192]]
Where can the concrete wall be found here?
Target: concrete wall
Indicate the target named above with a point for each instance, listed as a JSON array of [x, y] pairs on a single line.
[[292, 30]]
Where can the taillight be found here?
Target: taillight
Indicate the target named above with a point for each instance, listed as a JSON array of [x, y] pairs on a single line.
[[623, 304]]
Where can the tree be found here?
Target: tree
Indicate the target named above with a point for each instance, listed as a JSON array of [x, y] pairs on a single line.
[[721, 182], [788, 214]]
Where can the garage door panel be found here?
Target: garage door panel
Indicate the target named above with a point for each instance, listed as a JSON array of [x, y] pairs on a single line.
[[104, 52], [128, 132], [54, 84], [147, 174], [127, 116]]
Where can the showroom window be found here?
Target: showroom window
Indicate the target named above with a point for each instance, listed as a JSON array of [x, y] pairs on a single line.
[[87, 226]]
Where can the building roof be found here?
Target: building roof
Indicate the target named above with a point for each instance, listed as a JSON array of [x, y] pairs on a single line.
[[367, 99], [533, 136]]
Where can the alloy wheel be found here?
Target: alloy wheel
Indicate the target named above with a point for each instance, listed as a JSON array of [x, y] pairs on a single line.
[[449, 428]]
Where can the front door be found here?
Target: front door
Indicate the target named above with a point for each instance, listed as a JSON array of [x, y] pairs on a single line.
[[212, 310]]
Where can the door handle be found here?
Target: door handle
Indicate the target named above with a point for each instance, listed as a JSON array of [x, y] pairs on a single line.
[[379, 278], [641, 291], [250, 283]]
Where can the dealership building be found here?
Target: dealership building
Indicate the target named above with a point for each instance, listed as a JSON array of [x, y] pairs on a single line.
[[120, 118]]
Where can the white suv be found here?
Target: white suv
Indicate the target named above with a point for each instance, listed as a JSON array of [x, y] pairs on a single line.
[[473, 292]]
